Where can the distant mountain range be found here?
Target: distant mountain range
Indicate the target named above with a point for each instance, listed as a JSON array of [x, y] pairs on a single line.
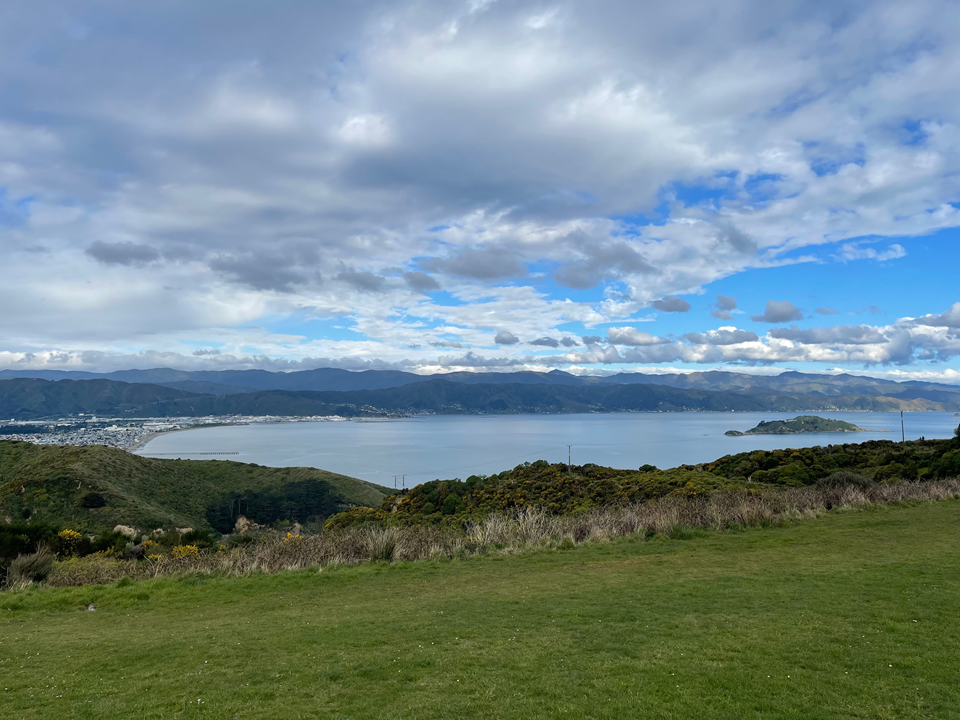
[[231, 382], [165, 393]]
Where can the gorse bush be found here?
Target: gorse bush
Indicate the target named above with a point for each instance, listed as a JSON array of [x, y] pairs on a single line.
[[843, 478]]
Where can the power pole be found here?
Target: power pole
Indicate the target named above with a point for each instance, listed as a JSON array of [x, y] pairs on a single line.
[[903, 433], [568, 458]]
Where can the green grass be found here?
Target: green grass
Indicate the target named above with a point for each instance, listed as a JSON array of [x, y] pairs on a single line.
[[853, 615]]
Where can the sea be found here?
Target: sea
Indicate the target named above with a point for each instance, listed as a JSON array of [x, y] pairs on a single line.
[[409, 451]]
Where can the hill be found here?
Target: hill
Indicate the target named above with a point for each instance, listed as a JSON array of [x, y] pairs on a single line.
[[95, 488], [560, 489], [335, 379], [801, 424], [27, 399]]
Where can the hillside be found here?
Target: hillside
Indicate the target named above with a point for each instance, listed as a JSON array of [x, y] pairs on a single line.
[[53, 483], [335, 379], [801, 424], [560, 489], [26, 399]]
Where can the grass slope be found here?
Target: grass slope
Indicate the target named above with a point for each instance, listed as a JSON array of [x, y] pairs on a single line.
[[50, 480], [849, 616]]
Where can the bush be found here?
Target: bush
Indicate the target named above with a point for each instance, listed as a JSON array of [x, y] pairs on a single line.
[[200, 538], [185, 551], [843, 478], [69, 542], [93, 500], [35, 567]]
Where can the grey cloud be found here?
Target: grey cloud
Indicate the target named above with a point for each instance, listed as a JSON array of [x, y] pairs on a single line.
[[505, 337], [123, 253], [734, 237], [950, 318], [725, 302], [779, 311], [826, 311], [546, 342], [721, 315], [362, 280], [488, 263], [447, 344], [569, 341], [591, 339], [421, 282], [601, 261], [474, 360], [721, 337], [837, 335], [671, 304], [631, 336], [205, 352], [261, 271]]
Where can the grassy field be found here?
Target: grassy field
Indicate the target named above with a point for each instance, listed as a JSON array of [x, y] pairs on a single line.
[[853, 615]]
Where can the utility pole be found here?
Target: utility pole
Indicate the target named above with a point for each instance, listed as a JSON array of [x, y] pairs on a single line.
[[568, 458], [903, 433]]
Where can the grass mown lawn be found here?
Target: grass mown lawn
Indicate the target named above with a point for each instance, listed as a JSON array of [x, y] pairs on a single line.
[[855, 615]]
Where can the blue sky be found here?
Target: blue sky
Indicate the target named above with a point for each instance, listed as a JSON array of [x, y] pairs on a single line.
[[481, 185]]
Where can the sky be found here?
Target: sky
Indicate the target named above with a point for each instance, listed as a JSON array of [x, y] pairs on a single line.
[[481, 185]]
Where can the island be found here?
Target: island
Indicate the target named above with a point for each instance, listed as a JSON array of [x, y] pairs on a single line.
[[801, 424]]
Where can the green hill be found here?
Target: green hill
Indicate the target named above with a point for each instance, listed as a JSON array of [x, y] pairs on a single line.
[[95, 488], [801, 424]]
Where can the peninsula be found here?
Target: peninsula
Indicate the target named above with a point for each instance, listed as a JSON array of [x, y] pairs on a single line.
[[800, 424]]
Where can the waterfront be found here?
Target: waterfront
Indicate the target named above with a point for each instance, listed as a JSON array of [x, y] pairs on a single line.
[[448, 446]]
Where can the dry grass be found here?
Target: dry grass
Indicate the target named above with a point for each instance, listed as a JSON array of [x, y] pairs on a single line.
[[531, 528]]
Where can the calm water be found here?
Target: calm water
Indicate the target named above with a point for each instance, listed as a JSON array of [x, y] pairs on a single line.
[[428, 448]]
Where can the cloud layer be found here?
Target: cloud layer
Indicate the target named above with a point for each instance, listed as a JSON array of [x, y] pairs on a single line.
[[380, 182]]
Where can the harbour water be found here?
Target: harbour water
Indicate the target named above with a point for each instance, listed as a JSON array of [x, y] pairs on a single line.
[[449, 446]]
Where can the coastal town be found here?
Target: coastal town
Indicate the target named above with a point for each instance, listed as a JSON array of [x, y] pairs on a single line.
[[128, 434]]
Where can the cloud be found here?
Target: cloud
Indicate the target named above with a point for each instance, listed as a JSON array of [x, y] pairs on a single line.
[[546, 342], [838, 335], [522, 154], [950, 318], [671, 304], [421, 282], [569, 342], [492, 263], [362, 280], [591, 339], [723, 307], [600, 261], [446, 344], [505, 337], [725, 302], [778, 311], [826, 311], [204, 352], [855, 251], [123, 253], [723, 336], [631, 336]]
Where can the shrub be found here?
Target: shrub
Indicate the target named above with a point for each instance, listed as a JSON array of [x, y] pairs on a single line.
[[69, 542], [35, 567], [842, 478], [185, 551], [200, 538], [93, 500]]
